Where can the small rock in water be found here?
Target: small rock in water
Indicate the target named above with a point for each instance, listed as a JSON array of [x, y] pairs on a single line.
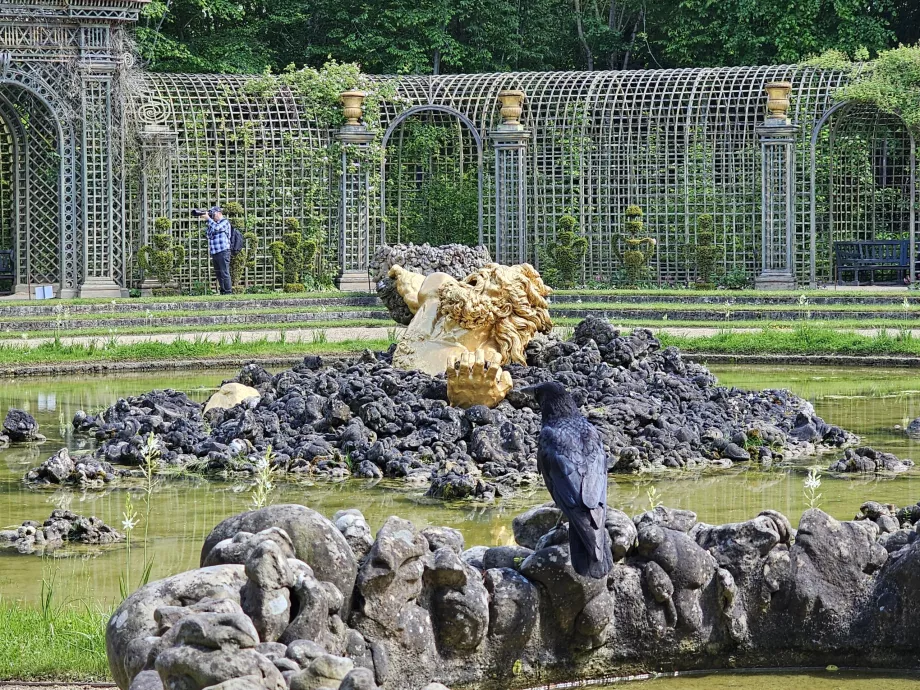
[[20, 427], [62, 527]]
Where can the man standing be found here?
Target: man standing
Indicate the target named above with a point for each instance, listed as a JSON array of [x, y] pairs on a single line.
[[219, 247]]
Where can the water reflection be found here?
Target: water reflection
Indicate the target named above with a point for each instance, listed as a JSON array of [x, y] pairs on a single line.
[[183, 511]]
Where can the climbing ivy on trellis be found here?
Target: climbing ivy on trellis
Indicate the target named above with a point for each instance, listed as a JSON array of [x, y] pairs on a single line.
[[890, 82], [246, 258], [432, 185]]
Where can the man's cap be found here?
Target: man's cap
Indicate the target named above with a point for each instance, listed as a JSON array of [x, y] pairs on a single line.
[[215, 209]]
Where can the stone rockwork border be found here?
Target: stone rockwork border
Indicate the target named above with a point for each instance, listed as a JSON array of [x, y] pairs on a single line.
[[199, 320], [798, 315], [130, 307], [299, 601], [730, 298]]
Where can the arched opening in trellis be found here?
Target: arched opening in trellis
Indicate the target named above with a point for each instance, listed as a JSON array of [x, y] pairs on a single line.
[[864, 189], [431, 178], [31, 212]]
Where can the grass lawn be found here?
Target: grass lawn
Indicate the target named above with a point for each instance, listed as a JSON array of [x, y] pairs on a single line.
[[800, 340], [112, 351], [52, 642], [152, 317], [107, 331]]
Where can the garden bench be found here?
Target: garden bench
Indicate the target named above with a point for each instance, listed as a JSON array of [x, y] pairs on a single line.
[[871, 256]]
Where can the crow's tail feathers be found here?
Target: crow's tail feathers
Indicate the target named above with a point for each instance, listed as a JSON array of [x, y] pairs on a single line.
[[589, 543]]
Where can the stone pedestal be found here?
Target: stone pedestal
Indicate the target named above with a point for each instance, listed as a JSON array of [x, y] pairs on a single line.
[[355, 281], [510, 139], [354, 201], [777, 143], [100, 287], [775, 280]]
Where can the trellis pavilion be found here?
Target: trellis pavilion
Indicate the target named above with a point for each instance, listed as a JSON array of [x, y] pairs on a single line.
[[92, 151]]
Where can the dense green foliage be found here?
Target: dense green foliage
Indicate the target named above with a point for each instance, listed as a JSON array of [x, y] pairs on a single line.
[[441, 36], [891, 82], [564, 258], [161, 257], [432, 183]]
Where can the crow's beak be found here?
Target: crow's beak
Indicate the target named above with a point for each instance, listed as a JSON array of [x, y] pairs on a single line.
[[530, 390]]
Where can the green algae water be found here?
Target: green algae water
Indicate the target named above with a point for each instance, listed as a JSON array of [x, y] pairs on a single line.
[[182, 510]]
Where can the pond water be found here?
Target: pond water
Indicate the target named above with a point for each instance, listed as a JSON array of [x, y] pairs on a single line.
[[182, 511]]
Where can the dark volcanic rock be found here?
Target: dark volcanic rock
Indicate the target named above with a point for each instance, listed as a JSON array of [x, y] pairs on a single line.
[[457, 260], [21, 427], [62, 527], [867, 459], [83, 471], [365, 418]]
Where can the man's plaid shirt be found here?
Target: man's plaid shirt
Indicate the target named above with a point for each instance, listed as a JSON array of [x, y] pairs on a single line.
[[218, 236]]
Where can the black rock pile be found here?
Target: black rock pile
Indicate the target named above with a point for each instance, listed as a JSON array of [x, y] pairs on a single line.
[[869, 460], [62, 527], [367, 419], [19, 427], [84, 471], [457, 260]]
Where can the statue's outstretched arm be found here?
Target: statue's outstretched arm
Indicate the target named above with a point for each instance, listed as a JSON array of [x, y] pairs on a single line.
[[408, 284]]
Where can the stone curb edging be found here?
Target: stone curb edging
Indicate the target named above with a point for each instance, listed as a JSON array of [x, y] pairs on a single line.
[[115, 367], [829, 360]]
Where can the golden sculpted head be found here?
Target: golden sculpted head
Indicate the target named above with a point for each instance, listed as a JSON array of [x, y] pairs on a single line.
[[472, 327], [510, 299]]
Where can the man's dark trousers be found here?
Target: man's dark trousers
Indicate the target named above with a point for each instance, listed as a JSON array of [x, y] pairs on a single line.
[[221, 263]]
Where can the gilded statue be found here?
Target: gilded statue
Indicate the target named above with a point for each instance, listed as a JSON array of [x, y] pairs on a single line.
[[471, 328]]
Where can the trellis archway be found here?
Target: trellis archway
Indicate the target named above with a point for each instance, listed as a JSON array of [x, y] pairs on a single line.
[[466, 140], [33, 216], [863, 183]]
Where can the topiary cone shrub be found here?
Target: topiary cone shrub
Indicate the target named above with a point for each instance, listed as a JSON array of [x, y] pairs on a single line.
[[292, 254], [565, 256], [707, 254], [246, 258], [638, 250], [161, 258]]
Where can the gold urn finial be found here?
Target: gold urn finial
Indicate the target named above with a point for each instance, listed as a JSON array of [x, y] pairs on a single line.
[[353, 106], [778, 100], [512, 101]]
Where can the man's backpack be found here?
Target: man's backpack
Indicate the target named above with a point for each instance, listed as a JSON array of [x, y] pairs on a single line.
[[237, 241]]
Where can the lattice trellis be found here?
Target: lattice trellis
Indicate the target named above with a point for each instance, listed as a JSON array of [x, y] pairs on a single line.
[[76, 204], [234, 146], [678, 143], [865, 180], [35, 186]]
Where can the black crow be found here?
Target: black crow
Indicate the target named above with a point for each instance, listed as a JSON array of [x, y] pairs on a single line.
[[571, 458]]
